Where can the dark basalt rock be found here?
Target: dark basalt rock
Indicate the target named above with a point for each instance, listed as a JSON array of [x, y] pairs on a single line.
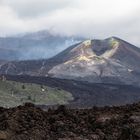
[[98, 123]]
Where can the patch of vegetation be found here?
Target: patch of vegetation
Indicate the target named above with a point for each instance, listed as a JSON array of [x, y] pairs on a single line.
[[15, 93]]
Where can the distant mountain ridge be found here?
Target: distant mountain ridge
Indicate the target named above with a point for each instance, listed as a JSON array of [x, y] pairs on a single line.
[[111, 60], [36, 45]]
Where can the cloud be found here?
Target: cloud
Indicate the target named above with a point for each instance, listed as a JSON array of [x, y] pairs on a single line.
[[34, 8], [88, 18], [9, 22]]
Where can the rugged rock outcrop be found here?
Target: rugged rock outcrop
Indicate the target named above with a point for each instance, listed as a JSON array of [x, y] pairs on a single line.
[[109, 123]]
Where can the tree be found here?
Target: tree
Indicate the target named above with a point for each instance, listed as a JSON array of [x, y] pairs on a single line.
[[23, 86]]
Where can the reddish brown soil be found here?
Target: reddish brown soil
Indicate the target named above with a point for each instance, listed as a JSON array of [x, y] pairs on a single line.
[[109, 123]]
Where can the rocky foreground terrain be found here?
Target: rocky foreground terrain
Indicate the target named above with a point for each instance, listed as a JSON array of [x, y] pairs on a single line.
[[108, 123]]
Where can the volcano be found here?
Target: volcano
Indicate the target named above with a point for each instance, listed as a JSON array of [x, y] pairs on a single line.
[[111, 60]]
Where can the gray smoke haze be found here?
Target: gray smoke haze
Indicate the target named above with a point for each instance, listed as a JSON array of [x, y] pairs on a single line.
[[36, 45], [87, 18], [44, 51]]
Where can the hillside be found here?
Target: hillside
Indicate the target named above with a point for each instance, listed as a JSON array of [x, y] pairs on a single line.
[[108, 123], [16, 93], [87, 94]]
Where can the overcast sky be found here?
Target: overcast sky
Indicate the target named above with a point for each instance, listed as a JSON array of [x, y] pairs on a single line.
[[88, 18]]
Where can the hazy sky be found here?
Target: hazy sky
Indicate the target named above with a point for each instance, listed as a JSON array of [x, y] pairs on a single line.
[[88, 18]]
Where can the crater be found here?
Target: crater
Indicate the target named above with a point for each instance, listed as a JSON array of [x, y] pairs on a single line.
[[99, 47]]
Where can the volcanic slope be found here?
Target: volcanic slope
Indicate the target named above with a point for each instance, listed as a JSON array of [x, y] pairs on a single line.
[[100, 61], [110, 60]]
